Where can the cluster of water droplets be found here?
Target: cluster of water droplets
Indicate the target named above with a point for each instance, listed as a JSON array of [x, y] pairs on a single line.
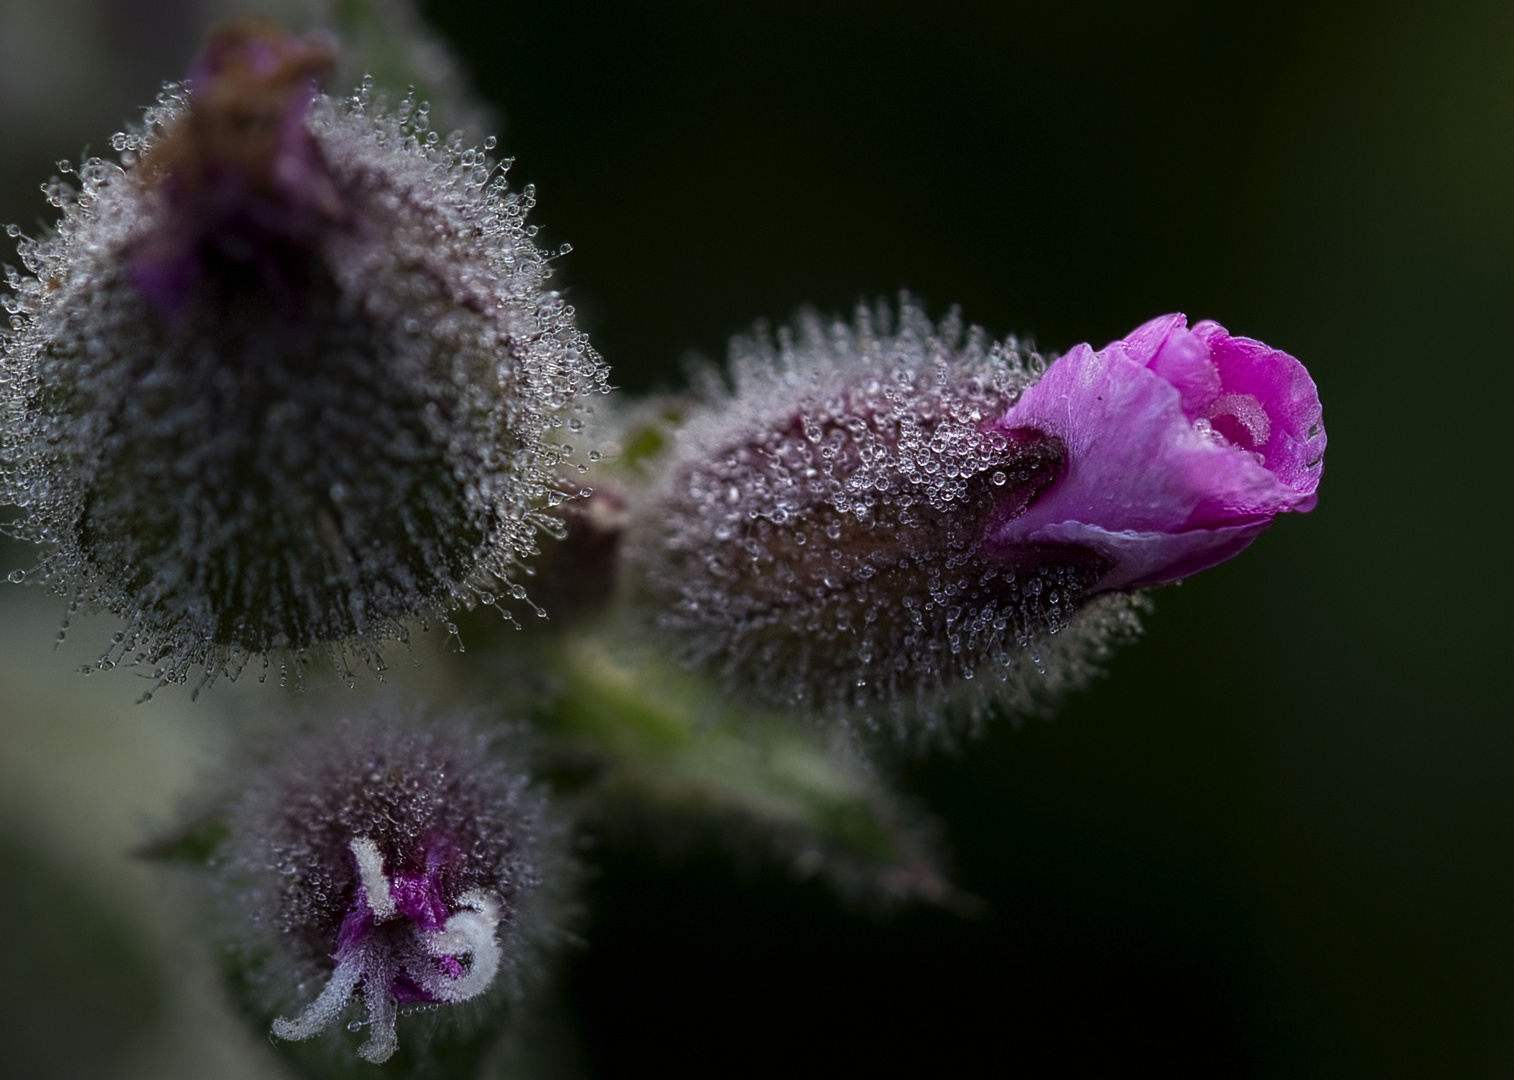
[[245, 481], [817, 536]]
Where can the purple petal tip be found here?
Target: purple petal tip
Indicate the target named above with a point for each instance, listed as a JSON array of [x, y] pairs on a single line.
[[1182, 445]]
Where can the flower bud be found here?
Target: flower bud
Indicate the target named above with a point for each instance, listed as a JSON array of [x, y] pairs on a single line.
[[288, 373], [876, 519], [403, 865]]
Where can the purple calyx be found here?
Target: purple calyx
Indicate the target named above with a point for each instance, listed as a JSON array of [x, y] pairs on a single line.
[[241, 182], [1182, 446]]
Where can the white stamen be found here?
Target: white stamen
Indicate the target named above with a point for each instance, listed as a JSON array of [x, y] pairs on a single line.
[[370, 869], [468, 932], [324, 1010], [382, 1010]]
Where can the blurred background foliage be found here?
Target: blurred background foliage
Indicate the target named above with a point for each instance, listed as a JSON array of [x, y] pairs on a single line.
[[1276, 841]]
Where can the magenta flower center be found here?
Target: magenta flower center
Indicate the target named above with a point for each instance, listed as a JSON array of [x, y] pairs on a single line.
[[400, 943]]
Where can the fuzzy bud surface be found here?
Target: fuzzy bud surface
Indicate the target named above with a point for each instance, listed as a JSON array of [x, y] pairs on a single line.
[[286, 373]]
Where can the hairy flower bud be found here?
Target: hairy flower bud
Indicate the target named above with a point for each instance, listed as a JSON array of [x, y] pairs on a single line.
[[847, 531], [288, 373], [401, 864]]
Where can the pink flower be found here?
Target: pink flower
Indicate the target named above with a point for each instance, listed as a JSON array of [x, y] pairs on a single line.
[[1182, 446], [887, 522]]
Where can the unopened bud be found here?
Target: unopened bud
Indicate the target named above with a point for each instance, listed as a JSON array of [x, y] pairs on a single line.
[[286, 374]]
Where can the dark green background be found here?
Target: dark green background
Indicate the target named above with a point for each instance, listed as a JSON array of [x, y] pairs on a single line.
[[1279, 839]]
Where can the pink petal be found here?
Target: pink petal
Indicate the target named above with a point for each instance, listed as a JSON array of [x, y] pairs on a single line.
[[1182, 445]]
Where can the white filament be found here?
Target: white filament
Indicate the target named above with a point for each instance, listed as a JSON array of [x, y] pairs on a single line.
[[370, 869], [469, 932], [382, 1008], [324, 1010]]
